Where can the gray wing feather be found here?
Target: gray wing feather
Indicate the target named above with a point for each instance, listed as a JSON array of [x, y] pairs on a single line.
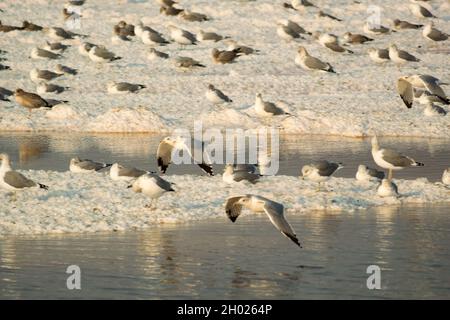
[[375, 173], [131, 172], [18, 180], [431, 85], [272, 108], [275, 212], [326, 168], [315, 63], [407, 56], [90, 165], [243, 175], [397, 159], [222, 96], [163, 184]]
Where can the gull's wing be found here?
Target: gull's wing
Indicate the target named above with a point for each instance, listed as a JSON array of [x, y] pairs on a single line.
[[232, 209], [163, 184], [431, 85], [90, 165], [405, 90], [131, 172], [275, 212], [397, 159], [243, 175]]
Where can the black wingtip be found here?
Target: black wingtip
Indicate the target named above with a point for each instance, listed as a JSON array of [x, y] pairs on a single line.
[[43, 186]]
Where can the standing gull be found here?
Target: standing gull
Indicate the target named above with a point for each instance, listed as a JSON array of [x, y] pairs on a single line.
[[307, 62], [169, 145], [230, 175], [387, 188], [55, 46], [407, 84], [433, 34], [78, 165], [12, 180], [216, 96], [320, 171], [153, 186], [274, 210], [390, 159], [30, 100], [400, 56], [266, 108], [61, 34], [365, 173], [119, 172], [29, 26], [286, 33]]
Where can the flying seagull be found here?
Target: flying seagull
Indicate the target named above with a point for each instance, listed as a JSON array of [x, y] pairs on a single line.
[[169, 145], [274, 210], [407, 84]]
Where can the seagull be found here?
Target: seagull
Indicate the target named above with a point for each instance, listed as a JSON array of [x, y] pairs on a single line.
[[294, 27], [140, 28], [78, 165], [85, 47], [119, 172], [432, 110], [376, 29], [124, 29], [230, 175], [274, 210], [245, 50], [420, 11], [44, 87], [216, 96], [29, 26], [327, 15], [170, 10], [153, 186], [387, 188], [301, 4], [407, 84], [320, 171], [390, 159], [224, 56], [30, 100], [61, 34], [286, 33], [168, 145], [182, 36], [446, 177], [193, 16], [186, 63], [55, 46], [12, 180], [400, 56], [124, 87], [365, 173], [329, 41], [267, 109], [209, 36], [154, 54], [37, 75], [38, 53], [101, 54], [401, 24], [433, 34], [356, 38], [153, 38], [60, 69], [167, 3], [307, 62], [379, 55]]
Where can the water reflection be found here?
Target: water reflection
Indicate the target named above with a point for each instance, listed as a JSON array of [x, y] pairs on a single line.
[[215, 259], [54, 150]]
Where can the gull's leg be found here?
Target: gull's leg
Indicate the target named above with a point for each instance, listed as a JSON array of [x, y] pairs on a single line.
[[390, 175]]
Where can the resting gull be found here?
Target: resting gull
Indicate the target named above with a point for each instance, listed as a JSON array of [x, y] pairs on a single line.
[[153, 38], [274, 210], [37, 75], [78, 165], [153, 186], [155, 54], [407, 84], [308, 62], [216, 96], [124, 87], [182, 36], [365, 173], [356, 38], [169, 145], [391, 159], [61, 69], [186, 63], [286, 33], [446, 177], [193, 16], [101, 54], [224, 56], [400, 56], [387, 188], [12, 180], [320, 171], [379, 55], [401, 24], [39, 53], [120, 172], [209, 36], [44, 87], [433, 34], [420, 11], [230, 175]]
